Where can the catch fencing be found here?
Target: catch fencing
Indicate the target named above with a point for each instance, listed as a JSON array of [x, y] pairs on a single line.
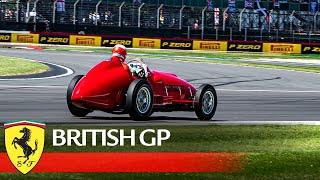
[[213, 23]]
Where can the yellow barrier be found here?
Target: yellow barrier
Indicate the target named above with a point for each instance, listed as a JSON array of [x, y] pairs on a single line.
[[282, 48], [25, 38], [210, 45], [5, 37], [146, 43], [85, 40]]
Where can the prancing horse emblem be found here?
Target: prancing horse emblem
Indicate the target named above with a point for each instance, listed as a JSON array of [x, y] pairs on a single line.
[[23, 143]]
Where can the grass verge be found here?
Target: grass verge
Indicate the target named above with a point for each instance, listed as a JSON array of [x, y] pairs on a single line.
[[12, 66], [231, 58], [273, 152]]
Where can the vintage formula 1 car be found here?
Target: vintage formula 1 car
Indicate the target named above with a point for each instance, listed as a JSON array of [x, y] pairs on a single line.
[[112, 88]]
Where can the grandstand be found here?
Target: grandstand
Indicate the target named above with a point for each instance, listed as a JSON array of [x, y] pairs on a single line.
[[248, 20]]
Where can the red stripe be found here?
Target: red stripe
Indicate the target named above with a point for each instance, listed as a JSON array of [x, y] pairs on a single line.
[[132, 162]]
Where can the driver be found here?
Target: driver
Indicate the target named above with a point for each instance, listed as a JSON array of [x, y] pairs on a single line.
[[137, 67]]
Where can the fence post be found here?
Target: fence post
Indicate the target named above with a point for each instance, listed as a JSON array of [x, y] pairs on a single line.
[[120, 13], [139, 15], [224, 19], [293, 38], [75, 11], [35, 10], [217, 35], [27, 13], [245, 34], [17, 10], [240, 19], [189, 32], [315, 21], [291, 20], [158, 16], [180, 17], [54, 11], [310, 36], [202, 21], [97, 12], [270, 17]]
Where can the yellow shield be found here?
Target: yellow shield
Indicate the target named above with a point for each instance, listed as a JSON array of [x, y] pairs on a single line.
[[24, 143]]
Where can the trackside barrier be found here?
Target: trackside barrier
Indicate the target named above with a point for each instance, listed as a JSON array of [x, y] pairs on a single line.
[[310, 48], [85, 40], [282, 48], [110, 42], [25, 38], [146, 43], [183, 44], [5, 37], [245, 46], [54, 39], [177, 44], [210, 45]]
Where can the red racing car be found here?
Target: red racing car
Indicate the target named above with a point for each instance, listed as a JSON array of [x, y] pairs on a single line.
[[111, 87]]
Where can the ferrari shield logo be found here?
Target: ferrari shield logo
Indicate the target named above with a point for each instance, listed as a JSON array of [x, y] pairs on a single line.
[[24, 143]]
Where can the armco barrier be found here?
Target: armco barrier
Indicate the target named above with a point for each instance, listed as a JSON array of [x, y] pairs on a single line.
[[85, 40], [25, 38], [210, 45], [282, 48], [245, 46], [146, 43], [183, 44], [310, 48]]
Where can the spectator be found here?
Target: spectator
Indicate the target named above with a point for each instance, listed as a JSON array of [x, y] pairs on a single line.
[[196, 25]]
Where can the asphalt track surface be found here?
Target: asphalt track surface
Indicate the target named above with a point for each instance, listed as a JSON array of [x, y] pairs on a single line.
[[246, 94]]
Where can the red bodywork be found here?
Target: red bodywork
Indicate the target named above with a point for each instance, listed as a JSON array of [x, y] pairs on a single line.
[[104, 88]]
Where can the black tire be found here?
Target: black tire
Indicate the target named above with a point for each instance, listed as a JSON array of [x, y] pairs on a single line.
[[135, 111], [201, 113], [79, 112]]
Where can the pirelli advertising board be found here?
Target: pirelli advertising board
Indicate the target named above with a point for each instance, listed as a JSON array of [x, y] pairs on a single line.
[[310, 49], [5, 37], [54, 39], [110, 42], [210, 45], [176, 44], [85, 40], [245, 46], [25, 38], [146, 43], [282, 48]]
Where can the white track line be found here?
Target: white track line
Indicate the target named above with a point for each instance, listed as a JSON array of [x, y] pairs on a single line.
[[69, 72], [261, 90], [266, 122]]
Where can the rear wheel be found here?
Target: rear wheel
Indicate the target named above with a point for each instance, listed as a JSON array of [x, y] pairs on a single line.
[[206, 102], [79, 112], [139, 101]]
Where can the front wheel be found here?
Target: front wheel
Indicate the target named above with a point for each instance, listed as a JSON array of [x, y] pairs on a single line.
[[79, 112], [139, 101], [206, 102]]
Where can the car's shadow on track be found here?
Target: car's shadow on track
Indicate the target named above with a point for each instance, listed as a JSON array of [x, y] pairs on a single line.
[[152, 118]]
